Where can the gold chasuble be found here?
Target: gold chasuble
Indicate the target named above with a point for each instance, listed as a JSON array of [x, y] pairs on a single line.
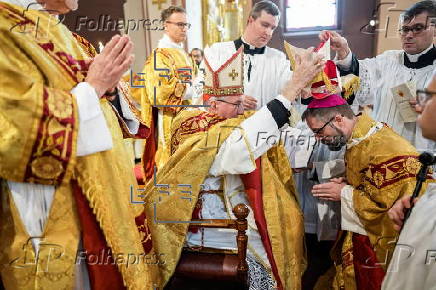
[[41, 61], [167, 74], [381, 166], [197, 136]]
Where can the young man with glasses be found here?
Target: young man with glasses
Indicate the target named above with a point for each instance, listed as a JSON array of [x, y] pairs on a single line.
[[168, 74], [413, 65], [413, 265]]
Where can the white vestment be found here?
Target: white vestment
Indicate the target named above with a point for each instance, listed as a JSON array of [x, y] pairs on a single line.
[[381, 73], [413, 264]]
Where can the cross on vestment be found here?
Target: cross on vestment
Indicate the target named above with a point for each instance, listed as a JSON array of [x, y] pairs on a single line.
[[159, 3], [233, 74]]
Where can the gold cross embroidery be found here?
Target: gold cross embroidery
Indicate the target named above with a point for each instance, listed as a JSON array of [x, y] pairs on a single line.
[[233, 74], [159, 3]]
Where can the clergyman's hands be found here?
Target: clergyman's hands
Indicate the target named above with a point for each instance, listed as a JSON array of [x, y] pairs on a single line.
[[330, 190], [108, 67], [308, 65], [337, 43]]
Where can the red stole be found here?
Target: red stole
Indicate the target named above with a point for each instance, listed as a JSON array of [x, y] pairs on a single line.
[[103, 272], [253, 188], [150, 149]]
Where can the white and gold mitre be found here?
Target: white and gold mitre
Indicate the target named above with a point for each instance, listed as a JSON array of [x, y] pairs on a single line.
[[224, 80]]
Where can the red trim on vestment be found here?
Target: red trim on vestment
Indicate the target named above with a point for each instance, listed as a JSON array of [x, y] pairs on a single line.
[[253, 187]]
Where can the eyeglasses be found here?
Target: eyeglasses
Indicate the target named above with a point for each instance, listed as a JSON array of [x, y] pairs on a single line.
[[423, 96], [416, 29], [238, 105], [180, 24], [318, 131]]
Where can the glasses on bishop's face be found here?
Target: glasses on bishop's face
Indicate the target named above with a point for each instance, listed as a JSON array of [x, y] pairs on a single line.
[[423, 96], [416, 29], [181, 25], [318, 131], [238, 105]]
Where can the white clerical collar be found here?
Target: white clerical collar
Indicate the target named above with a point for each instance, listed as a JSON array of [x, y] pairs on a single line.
[[167, 42], [25, 4], [414, 57], [251, 46]]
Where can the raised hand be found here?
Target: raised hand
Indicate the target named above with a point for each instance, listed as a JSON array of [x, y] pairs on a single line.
[[308, 65], [108, 67], [337, 43], [249, 103]]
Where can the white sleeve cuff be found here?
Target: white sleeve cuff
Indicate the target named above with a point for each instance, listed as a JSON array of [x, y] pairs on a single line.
[[349, 219], [94, 135], [261, 131], [128, 115], [345, 63], [285, 102]]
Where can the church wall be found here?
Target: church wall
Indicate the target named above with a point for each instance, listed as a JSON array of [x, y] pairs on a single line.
[[93, 19], [355, 14]]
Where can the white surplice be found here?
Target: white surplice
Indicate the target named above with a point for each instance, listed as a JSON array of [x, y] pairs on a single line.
[[383, 72], [413, 264]]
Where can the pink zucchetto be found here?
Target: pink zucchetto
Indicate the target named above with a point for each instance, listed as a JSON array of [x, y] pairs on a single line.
[[327, 102]]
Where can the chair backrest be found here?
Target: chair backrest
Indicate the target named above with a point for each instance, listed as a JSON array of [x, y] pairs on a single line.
[[216, 267]]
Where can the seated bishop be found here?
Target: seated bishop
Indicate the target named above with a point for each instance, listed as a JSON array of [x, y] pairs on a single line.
[[225, 158]]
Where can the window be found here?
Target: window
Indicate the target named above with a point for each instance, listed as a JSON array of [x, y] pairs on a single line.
[[311, 15]]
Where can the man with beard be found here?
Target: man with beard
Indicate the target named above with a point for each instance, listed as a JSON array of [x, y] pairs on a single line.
[[381, 167], [197, 56]]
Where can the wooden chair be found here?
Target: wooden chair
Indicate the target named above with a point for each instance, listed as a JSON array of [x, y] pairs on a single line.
[[217, 270]]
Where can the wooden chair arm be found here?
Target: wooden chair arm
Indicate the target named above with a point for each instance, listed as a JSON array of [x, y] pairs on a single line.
[[241, 212]]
